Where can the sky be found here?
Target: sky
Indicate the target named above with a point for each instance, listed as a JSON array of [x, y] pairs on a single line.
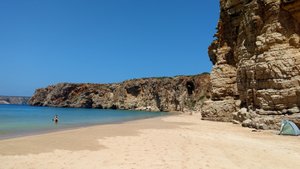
[[44, 42]]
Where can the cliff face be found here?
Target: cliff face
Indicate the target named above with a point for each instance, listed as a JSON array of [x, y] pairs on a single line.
[[256, 57], [14, 100], [182, 93]]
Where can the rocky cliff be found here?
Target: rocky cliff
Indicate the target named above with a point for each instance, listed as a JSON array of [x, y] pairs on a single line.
[[14, 99], [256, 73], [181, 93]]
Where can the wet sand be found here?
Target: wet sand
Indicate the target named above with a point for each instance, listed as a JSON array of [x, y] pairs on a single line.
[[173, 142]]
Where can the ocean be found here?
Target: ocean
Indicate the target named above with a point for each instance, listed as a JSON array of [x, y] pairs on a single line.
[[21, 120]]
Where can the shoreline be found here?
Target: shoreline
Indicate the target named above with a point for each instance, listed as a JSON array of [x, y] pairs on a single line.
[[178, 141], [47, 131], [42, 125]]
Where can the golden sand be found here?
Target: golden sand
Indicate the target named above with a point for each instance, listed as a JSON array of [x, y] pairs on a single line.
[[174, 142]]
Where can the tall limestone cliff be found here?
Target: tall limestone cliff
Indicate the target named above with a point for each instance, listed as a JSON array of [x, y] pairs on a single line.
[[181, 93], [256, 56]]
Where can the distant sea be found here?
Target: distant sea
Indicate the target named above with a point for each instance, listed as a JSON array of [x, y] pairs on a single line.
[[21, 120]]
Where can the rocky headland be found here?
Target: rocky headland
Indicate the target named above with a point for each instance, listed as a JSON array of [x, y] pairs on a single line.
[[14, 99], [256, 74], [180, 93]]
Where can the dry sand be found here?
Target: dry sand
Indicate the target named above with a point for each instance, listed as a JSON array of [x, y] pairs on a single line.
[[171, 142]]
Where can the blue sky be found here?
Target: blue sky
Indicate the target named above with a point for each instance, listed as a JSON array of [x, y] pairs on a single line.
[[43, 42]]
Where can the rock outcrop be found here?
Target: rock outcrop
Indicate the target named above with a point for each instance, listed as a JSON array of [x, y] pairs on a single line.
[[14, 99], [181, 93], [256, 56]]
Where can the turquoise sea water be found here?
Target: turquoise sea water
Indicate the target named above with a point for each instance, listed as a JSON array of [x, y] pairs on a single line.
[[19, 120]]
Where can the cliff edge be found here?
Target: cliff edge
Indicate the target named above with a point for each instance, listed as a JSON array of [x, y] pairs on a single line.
[[256, 57], [14, 99], [181, 93]]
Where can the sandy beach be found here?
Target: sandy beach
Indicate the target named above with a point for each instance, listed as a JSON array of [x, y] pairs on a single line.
[[183, 142]]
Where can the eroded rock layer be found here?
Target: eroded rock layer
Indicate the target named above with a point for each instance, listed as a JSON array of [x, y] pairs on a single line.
[[256, 74], [181, 93], [14, 99]]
